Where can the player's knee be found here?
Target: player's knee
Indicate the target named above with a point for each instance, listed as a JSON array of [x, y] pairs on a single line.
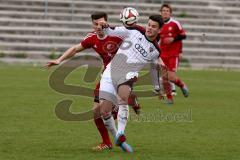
[[164, 78], [124, 99], [123, 93], [96, 113], [104, 112], [105, 108], [171, 77]]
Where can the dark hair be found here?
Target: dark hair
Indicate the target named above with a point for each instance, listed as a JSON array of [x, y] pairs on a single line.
[[97, 15], [157, 18], [166, 6]]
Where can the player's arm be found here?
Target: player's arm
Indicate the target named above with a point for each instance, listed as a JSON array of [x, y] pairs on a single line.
[[119, 31], [181, 35], [67, 54]]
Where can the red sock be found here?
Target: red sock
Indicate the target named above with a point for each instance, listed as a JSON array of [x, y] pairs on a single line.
[[114, 114], [131, 99], [179, 83], [167, 88], [102, 130]]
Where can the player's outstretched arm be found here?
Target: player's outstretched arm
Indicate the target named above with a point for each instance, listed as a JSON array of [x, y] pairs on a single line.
[[119, 31], [68, 54]]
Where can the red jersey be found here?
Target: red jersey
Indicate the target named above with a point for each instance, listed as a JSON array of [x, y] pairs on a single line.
[[106, 47], [171, 28]]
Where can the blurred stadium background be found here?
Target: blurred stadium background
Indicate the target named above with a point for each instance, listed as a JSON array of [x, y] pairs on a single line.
[[36, 30]]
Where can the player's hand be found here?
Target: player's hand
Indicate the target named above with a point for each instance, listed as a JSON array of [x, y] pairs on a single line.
[[103, 24], [168, 40], [52, 63]]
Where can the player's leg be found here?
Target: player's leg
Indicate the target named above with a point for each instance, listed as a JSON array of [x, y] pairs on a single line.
[[124, 92], [123, 112], [173, 87], [133, 102], [167, 88], [109, 122], [108, 99], [177, 81], [155, 78], [105, 110], [166, 82], [173, 63], [106, 142]]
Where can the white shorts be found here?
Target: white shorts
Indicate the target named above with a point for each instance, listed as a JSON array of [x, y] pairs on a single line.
[[108, 91]]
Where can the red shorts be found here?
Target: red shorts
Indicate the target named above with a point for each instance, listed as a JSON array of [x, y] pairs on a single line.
[[171, 63]]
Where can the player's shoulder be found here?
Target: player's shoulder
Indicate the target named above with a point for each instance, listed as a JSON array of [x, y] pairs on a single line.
[[175, 22], [90, 35], [156, 45], [113, 38], [138, 28]]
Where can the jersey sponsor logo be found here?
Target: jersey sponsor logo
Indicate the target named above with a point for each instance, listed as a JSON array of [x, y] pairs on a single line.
[[141, 50]]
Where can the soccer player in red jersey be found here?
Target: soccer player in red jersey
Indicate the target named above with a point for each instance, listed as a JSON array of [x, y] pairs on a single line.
[[171, 35], [106, 46]]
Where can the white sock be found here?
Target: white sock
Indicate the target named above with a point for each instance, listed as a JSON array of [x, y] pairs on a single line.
[[122, 117], [110, 125], [154, 76], [161, 83], [173, 87]]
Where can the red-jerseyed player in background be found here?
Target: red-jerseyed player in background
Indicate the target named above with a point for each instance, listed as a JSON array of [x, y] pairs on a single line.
[[171, 35], [106, 47]]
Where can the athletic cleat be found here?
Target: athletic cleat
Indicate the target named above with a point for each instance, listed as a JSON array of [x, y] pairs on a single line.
[[133, 102], [161, 96], [185, 91], [174, 92], [126, 147], [121, 142], [120, 138], [156, 91], [102, 147]]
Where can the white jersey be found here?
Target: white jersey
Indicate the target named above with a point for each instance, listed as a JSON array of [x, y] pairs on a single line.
[[134, 53]]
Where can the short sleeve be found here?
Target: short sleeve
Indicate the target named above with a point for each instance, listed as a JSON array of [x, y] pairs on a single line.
[[87, 41]]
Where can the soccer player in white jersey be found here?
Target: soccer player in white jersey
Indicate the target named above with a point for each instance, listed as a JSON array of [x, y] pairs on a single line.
[[139, 48]]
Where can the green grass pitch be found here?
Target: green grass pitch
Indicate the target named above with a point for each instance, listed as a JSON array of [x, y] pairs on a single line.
[[29, 128]]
